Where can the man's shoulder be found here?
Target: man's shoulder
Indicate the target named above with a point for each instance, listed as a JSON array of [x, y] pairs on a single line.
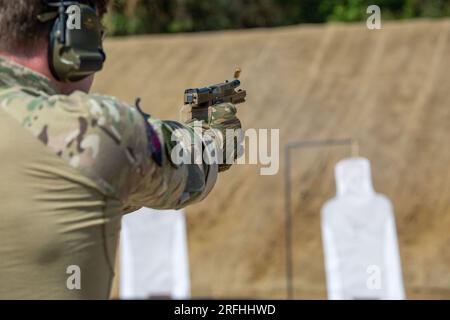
[[78, 98], [22, 102], [85, 130]]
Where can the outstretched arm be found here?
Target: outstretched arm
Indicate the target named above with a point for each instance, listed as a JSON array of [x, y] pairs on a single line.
[[167, 183]]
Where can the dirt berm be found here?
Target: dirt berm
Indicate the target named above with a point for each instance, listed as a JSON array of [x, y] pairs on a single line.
[[389, 89]]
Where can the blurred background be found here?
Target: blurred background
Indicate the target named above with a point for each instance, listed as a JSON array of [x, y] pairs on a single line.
[[170, 16], [313, 70]]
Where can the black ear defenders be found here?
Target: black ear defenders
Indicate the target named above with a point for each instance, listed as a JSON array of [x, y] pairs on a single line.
[[75, 49]]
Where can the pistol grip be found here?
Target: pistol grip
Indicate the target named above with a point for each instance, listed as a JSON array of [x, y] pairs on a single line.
[[200, 113]]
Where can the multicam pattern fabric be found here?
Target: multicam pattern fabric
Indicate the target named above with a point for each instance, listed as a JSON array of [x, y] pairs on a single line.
[[105, 139]]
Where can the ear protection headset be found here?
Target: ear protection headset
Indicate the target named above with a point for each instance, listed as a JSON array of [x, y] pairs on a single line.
[[74, 52]]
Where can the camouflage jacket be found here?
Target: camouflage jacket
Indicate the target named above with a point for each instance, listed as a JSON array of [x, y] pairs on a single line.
[[122, 150]]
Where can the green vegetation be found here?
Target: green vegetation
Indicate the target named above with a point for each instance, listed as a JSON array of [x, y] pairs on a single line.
[[163, 16]]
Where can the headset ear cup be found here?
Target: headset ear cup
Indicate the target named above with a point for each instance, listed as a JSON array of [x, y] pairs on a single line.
[[52, 54], [103, 53], [74, 54]]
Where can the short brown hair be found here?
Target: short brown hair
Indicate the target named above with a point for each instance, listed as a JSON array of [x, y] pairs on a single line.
[[20, 28]]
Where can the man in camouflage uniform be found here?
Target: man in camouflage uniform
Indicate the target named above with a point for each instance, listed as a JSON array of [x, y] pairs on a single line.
[[72, 164]]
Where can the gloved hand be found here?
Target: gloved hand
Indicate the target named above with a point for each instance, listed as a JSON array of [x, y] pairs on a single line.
[[220, 118]]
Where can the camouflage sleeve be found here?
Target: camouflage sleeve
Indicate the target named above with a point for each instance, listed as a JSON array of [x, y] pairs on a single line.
[[124, 152], [149, 178], [167, 185]]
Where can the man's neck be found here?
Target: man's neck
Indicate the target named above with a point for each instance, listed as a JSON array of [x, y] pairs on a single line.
[[38, 63], [35, 63]]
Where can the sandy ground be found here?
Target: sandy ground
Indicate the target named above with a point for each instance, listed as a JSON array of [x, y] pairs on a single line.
[[390, 89]]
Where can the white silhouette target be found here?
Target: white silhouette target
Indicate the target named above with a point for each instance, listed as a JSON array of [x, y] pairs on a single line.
[[359, 238], [154, 256]]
